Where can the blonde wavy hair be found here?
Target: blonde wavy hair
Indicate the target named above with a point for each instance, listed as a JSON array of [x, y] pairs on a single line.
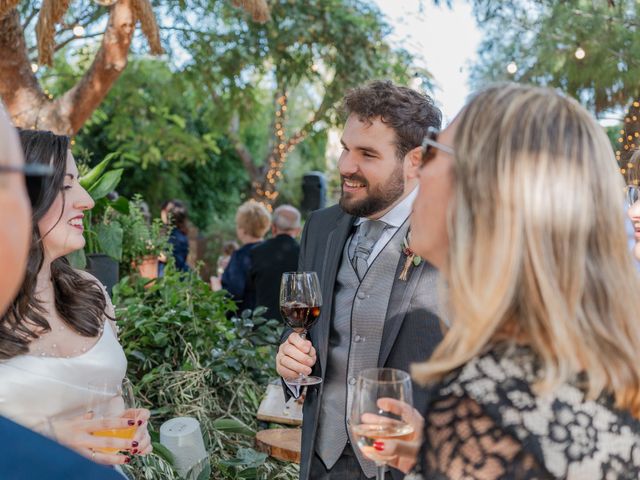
[[537, 246], [254, 218]]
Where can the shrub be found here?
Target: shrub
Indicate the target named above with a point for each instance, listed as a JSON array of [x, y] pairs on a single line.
[[187, 358]]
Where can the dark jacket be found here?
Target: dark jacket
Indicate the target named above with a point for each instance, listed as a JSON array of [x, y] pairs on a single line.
[[269, 261], [411, 331], [234, 278], [25, 455], [180, 243]]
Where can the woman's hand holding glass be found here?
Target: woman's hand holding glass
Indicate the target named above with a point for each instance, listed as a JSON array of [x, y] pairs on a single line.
[[78, 434], [111, 425], [400, 454]]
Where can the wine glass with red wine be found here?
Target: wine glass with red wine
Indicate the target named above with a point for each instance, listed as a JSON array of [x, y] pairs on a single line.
[[300, 302]]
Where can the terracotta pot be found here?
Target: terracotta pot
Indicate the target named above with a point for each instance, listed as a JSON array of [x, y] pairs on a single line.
[[148, 267]]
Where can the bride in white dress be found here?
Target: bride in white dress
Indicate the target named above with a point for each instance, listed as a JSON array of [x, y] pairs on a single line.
[[59, 335]]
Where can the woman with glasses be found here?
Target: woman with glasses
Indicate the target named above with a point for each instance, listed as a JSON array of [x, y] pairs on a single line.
[[633, 195], [538, 376], [59, 335]]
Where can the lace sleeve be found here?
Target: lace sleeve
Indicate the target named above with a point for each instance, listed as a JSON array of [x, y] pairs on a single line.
[[463, 442]]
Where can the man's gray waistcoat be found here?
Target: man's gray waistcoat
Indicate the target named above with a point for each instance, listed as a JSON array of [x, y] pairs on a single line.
[[359, 312]]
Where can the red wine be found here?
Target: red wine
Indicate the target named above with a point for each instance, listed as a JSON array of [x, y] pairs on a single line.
[[299, 316]]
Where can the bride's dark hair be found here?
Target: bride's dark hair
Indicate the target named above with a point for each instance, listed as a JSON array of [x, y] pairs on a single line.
[[79, 301]]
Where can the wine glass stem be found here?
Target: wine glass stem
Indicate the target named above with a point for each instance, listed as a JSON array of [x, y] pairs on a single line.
[[303, 336], [381, 469]]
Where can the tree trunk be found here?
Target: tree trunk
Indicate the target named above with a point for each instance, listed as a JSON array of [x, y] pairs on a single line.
[[27, 104]]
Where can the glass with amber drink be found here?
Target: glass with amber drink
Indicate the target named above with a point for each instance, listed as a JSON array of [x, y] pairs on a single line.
[[111, 401]]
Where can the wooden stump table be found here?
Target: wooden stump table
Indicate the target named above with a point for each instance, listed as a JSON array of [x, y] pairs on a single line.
[[281, 443], [274, 409]]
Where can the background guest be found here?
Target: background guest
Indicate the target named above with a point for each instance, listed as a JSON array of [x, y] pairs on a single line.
[[538, 377], [223, 260], [252, 222], [174, 214], [273, 257]]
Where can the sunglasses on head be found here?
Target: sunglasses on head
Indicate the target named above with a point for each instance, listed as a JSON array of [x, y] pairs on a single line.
[[430, 144], [36, 174]]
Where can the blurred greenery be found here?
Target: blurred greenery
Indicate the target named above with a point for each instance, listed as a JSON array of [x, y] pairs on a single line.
[[199, 123]]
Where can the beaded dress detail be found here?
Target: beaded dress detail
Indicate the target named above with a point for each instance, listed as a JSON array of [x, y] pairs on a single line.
[[46, 384]]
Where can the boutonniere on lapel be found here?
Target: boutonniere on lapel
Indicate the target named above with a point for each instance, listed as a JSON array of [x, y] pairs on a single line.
[[411, 258]]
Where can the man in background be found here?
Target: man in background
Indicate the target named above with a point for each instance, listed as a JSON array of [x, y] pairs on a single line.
[[25, 455], [273, 257]]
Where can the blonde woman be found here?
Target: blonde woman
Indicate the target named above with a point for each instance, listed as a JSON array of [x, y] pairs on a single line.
[[538, 377], [252, 222]]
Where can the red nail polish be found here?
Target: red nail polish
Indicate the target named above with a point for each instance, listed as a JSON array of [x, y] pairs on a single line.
[[379, 446], [127, 459], [135, 450], [134, 444], [140, 422], [131, 423]]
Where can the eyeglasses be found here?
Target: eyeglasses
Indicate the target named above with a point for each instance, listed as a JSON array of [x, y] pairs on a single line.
[[35, 175], [430, 144], [632, 194]]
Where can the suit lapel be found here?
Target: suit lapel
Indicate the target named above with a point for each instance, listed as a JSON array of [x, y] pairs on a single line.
[[332, 257], [399, 303]]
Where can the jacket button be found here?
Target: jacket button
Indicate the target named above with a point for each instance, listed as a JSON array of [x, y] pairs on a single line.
[[362, 295], [352, 380], [358, 339]]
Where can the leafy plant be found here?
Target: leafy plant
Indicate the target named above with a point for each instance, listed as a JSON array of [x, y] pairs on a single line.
[[187, 358], [140, 239], [103, 232]]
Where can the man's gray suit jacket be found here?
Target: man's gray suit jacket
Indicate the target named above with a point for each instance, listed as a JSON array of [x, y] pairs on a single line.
[[410, 334]]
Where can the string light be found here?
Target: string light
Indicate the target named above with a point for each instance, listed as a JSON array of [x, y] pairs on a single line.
[[580, 53], [78, 31], [512, 68], [266, 192], [627, 140]]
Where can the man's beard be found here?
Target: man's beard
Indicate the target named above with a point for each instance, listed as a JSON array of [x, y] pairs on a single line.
[[379, 197]]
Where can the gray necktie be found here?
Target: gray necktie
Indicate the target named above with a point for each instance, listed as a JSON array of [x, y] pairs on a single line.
[[368, 234]]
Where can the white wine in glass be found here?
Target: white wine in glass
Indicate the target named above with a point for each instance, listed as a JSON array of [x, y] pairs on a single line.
[[369, 422]]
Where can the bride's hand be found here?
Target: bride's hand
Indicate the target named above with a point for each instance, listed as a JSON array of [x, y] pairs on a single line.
[[141, 444], [76, 433]]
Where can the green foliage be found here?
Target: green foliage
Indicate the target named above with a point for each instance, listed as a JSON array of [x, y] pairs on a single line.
[[166, 139], [542, 38], [140, 239], [187, 358]]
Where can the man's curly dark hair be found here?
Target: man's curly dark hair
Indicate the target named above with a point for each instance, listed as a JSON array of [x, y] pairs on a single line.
[[408, 112]]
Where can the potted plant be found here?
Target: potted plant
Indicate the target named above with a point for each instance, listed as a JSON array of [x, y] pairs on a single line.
[[102, 228], [143, 241]]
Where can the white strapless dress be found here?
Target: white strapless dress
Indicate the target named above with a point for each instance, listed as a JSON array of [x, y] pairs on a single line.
[[36, 389]]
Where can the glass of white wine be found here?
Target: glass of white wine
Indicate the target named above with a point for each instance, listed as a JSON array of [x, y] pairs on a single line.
[[369, 422], [110, 401]]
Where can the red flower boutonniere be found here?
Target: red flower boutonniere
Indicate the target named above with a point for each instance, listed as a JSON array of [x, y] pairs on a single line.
[[411, 258]]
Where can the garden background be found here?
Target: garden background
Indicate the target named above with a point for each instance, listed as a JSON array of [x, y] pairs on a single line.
[[217, 101]]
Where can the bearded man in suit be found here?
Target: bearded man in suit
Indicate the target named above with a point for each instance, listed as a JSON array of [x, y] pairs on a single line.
[[380, 309]]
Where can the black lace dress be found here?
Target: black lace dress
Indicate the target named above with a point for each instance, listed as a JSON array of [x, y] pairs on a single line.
[[484, 422]]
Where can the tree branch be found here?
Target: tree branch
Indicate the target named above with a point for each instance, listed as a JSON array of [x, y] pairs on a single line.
[[19, 88], [109, 63]]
